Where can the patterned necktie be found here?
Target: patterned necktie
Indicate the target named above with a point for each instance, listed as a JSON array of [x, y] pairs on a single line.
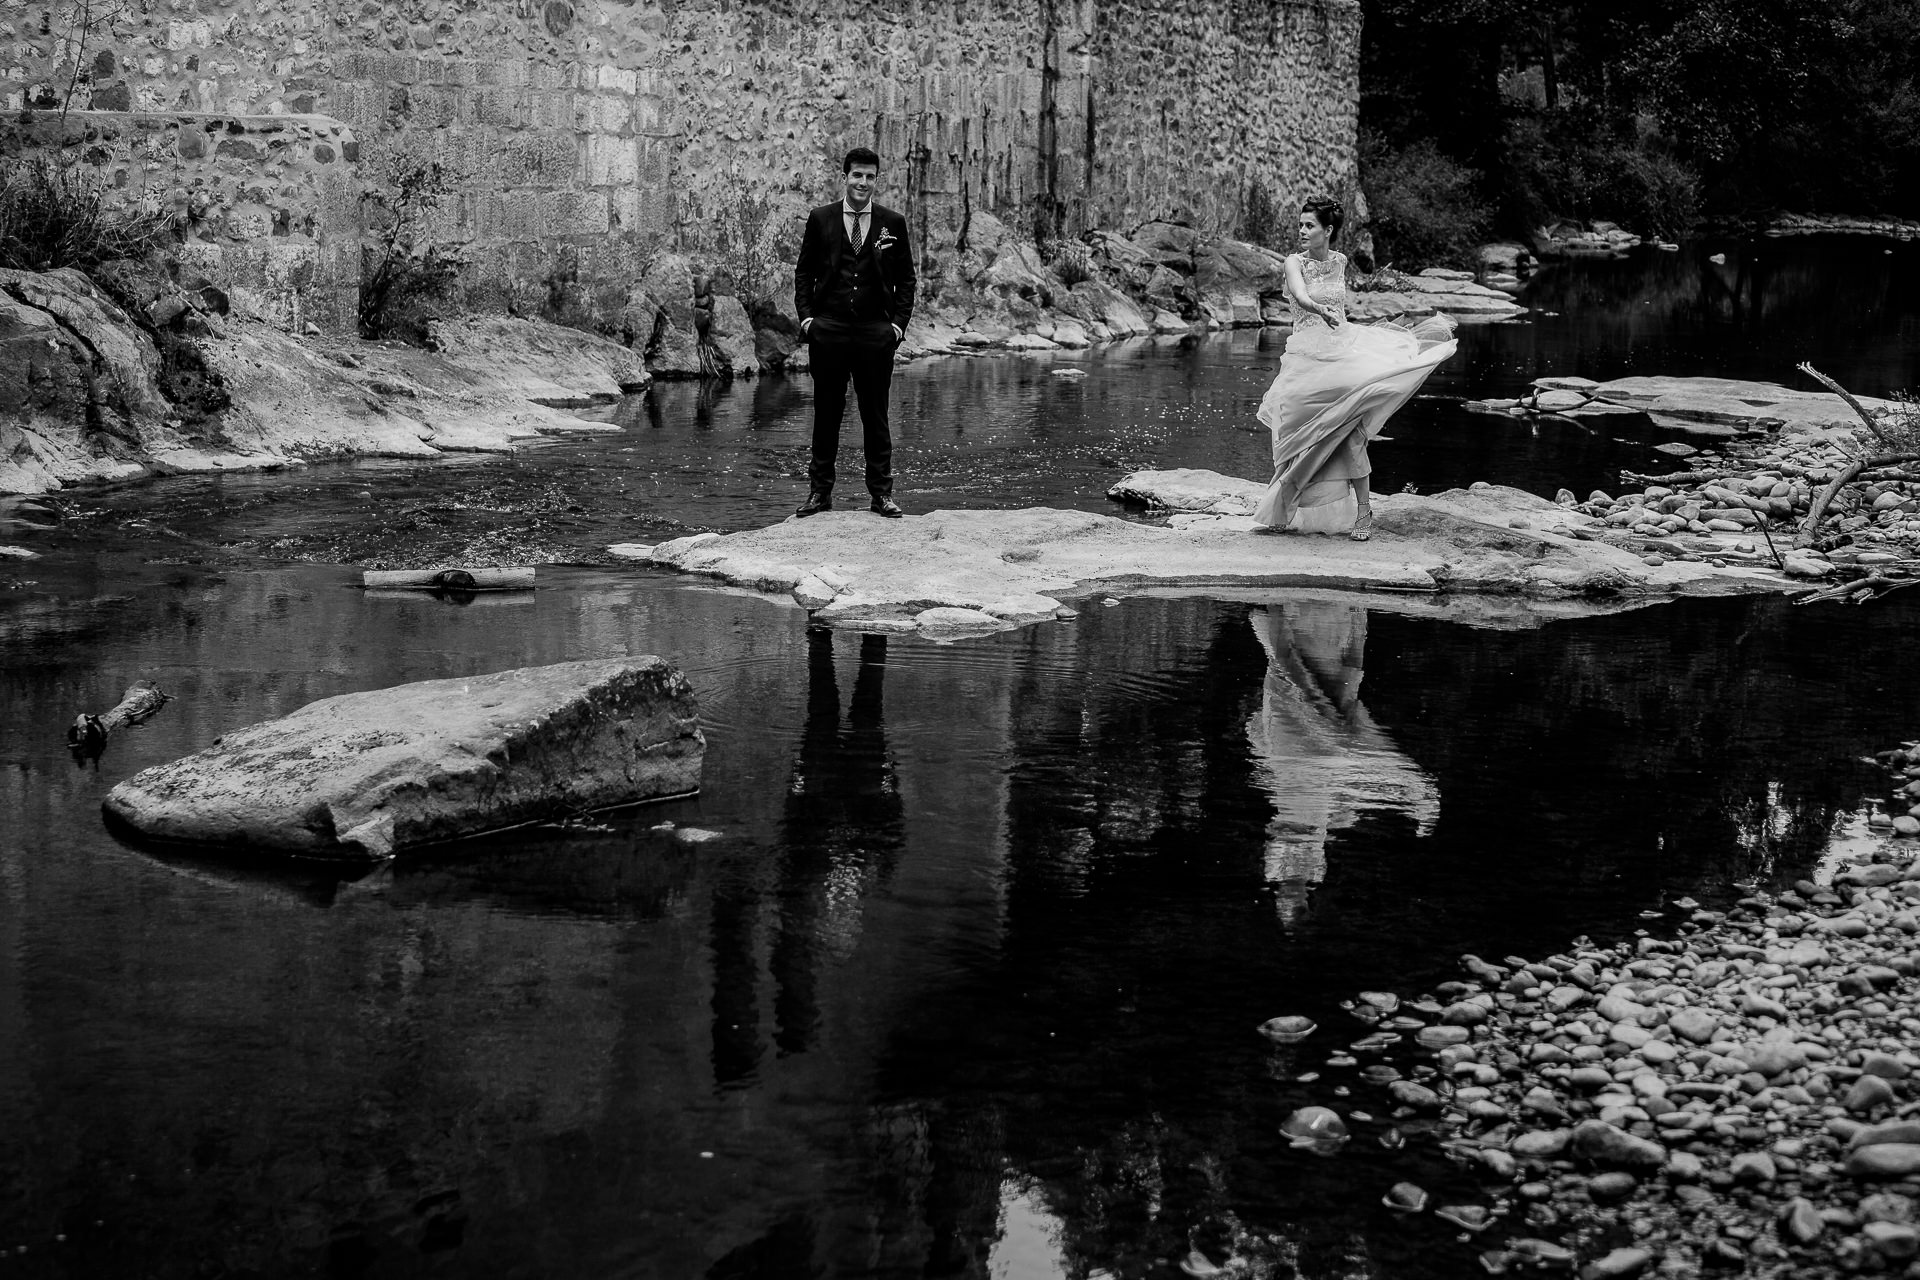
[[859, 235]]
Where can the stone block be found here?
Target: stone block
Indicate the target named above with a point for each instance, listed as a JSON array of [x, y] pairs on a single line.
[[366, 774], [611, 161]]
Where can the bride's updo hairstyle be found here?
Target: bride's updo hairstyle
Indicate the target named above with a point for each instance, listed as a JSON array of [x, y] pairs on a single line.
[[1329, 213]]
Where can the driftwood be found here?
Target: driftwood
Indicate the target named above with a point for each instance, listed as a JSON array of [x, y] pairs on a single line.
[[1846, 476], [1872, 420], [520, 579], [1675, 479], [1531, 401], [88, 734], [1861, 590]]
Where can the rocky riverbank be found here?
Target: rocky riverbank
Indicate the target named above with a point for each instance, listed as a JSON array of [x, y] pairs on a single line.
[[1163, 278], [81, 387], [1818, 224], [1747, 500], [93, 393], [1732, 1095]]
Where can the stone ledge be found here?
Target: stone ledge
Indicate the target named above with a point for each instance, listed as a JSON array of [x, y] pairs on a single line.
[[1013, 568]]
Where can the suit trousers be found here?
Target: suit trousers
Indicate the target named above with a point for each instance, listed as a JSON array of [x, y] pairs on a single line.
[[860, 351]]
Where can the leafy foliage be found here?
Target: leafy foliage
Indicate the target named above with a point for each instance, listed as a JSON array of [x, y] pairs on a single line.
[[56, 213], [408, 274], [754, 239], [1071, 261], [1426, 210], [1651, 110], [1560, 164]]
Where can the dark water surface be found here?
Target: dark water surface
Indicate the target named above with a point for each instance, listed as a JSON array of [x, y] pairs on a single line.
[[964, 982]]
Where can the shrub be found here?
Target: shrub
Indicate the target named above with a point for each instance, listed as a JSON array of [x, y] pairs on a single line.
[[1426, 210], [407, 275], [754, 241], [1564, 164], [59, 213], [1070, 260], [1260, 220]]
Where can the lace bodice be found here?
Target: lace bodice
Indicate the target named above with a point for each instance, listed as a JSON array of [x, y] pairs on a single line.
[[1326, 285]]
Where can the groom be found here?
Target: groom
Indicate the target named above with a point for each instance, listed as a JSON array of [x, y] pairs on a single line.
[[853, 288]]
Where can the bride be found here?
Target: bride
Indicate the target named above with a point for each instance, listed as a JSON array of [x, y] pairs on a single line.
[[1338, 385]]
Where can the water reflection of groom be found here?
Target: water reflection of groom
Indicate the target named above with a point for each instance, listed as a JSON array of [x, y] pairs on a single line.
[[844, 828], [842, 831]]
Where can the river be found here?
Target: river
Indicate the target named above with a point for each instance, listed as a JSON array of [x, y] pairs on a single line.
[[964, 979]]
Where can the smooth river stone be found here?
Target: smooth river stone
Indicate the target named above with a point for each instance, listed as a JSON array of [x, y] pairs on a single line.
[[1884, 1065], [1884, 1160], [1630, 1034], [1892, 1131], [1620, 1264], [1868, 1092], [1408, 1093], [1542, 1145], [1620, 1009], [1659, 1052], [1896, 1240], [1602, 1143], [365, 774], [1696, 1025]]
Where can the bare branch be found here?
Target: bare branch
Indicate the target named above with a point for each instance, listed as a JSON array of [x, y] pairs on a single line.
[[1873, 423]]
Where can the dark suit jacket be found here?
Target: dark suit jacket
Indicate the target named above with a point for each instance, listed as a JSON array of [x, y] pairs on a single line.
[[825, 243]]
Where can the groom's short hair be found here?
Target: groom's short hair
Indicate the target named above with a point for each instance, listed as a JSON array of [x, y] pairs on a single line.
[[860, 155]]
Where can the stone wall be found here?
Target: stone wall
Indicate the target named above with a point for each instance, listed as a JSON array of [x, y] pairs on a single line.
[[595, 134], [269, 205]]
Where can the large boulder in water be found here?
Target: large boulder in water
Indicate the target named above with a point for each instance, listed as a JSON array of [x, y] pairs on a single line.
[[365, 774]]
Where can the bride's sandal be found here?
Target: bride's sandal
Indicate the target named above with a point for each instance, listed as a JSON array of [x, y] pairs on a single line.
[[1363, 528]]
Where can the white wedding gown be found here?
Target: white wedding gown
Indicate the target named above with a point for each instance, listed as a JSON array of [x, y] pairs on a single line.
[[1335, 391]]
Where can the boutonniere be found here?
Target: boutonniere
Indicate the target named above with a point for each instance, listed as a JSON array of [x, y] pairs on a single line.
[[885, 239]]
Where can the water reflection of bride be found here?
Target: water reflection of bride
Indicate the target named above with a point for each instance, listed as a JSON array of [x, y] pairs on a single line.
[[1323, 758]]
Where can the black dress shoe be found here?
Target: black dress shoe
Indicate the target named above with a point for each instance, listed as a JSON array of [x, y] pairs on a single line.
[[817, 501], [886, 507]]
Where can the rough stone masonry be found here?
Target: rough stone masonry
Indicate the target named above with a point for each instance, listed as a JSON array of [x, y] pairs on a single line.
[[596, 134]]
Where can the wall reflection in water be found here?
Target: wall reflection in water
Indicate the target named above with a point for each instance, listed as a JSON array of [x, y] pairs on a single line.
[[1321, 756]]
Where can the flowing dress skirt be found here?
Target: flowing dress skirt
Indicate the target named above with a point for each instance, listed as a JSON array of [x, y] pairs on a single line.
[[1335, 391]]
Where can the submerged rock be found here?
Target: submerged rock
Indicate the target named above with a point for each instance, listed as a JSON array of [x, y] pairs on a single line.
[[366, 774], [1404, 1197], [1288, 1028], [1316, 1128]]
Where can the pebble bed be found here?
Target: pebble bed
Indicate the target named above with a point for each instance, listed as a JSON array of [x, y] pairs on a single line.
[[1741, 1099], [1750, 513]]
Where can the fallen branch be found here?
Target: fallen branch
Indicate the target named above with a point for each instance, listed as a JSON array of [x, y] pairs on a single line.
[[1846, 476], [1827, 495], [1681, 477], [1873, 422], [450, 579], [1858, 590], [89, 733]]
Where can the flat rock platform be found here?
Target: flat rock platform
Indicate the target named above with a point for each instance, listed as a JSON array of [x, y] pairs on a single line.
[[955, 573], [1714, 407]]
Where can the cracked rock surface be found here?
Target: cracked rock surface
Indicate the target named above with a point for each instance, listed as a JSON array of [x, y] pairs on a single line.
[[1012, 568]]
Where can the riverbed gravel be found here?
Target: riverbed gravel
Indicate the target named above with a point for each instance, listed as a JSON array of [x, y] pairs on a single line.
[[1741, 1098]]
